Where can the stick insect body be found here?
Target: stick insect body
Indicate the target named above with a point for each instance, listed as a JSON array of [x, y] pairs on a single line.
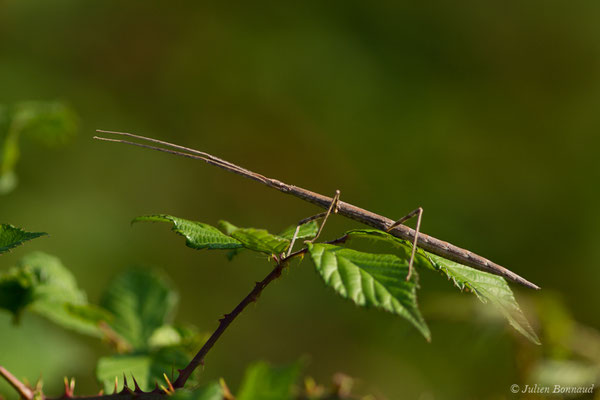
[[333, 204]]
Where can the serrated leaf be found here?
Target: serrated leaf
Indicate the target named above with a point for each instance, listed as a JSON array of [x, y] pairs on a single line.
[[147, 367], [483, 284], [212, 391], [488, 288], [404, 247], [306, 231], [260, 240], [254, 239], [11, 237], [43, 285], [263, 382], [197, 234], [376, 280], [141, 301]]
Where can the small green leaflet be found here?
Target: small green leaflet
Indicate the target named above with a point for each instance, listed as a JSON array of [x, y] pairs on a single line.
[[377, 280], [260, 240], [11, 237], [141, 302], [203, 236], [306, 231], [198, 235], [488, 288], [263, 382], [255, 239]]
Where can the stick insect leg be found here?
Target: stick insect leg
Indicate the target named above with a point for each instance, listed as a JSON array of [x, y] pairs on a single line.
[[302, 222], [332, 207], [419, 213]]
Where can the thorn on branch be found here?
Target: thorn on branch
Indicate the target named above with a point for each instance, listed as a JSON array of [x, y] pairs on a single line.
[[137, 388], [38, 385], [116, 385], [72, 386], [69, 387], [170, 389], [226, 392], [126, 391]]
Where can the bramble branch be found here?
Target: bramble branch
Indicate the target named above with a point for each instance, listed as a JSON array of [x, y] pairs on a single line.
[[20, 387], [227, 319]]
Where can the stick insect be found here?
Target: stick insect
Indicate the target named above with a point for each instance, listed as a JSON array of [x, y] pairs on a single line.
[[336, 206]]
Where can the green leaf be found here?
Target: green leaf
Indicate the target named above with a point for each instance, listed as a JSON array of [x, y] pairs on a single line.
[[263, 382], [306, 231], [82, 318], [57, 297], [260, 240], [227, 227], [377, 280], [141, 301], [488, 288], [212, 391], [404, 247], [16, 290], [147, 367], [43, 285], [255, 239], [53, 282], [198, 235], [11, 237]]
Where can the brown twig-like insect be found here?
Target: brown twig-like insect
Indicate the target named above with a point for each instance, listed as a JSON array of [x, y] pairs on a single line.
[[396, 228]]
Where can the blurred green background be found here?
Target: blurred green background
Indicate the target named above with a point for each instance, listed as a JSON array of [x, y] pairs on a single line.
[[483, 113]]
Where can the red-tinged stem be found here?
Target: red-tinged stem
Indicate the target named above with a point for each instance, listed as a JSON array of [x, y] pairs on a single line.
[[19, 386]]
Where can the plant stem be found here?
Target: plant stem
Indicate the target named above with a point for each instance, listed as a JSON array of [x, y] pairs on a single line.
[[224, 322], [19, 386], [227, 319]]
